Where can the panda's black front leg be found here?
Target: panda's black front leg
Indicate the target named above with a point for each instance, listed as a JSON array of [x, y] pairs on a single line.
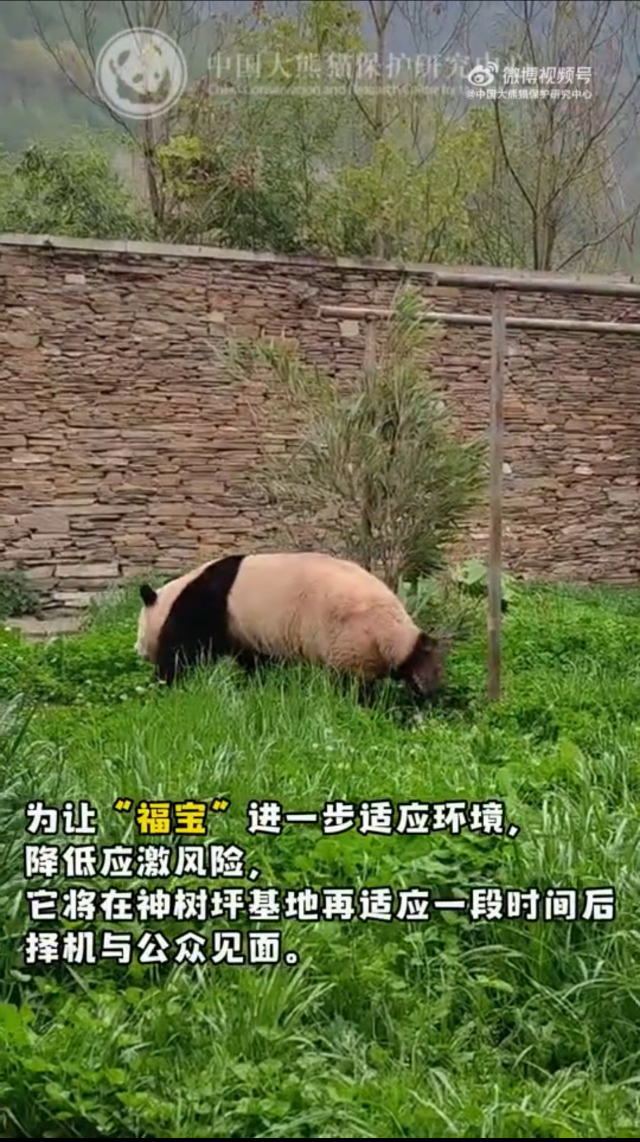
[[176, 659], [169, 670]]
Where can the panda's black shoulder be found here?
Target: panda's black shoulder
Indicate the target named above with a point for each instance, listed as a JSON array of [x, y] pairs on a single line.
[[209, 590]]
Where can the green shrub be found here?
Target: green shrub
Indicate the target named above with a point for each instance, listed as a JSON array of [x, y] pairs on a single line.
[[18, 596], [439, 606], [472, 578]]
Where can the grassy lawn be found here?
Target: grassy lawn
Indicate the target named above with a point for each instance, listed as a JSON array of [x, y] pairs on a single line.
[[448, 1027]]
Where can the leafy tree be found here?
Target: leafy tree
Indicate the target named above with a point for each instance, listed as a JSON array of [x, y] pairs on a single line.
[[244, 165], [422, 210], [383, 460], [69, 190], [197, 30], [346, 173]]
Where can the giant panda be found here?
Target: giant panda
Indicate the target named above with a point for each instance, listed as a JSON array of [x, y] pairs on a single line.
[[295, 606]]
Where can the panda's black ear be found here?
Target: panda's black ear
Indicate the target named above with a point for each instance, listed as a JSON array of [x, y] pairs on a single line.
[[148, 595]]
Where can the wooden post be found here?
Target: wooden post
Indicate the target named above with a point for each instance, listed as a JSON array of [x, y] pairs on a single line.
[[369, 347], [498, 358], [369, 372]]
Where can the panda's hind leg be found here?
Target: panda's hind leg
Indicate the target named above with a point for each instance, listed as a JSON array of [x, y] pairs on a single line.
[[250, 661]]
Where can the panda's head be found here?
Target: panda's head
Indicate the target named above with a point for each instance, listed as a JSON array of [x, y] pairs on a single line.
[[148, 630]]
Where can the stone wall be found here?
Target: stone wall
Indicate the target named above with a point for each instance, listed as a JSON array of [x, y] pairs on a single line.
[[123, 447]]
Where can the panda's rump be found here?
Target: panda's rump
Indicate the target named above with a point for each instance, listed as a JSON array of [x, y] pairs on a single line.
[[313, 607], [368, 639]]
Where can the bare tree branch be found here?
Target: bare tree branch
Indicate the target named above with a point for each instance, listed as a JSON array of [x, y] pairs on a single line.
[[559, 156]]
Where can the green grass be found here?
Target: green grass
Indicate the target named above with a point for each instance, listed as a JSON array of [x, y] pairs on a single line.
[[443, 1029]]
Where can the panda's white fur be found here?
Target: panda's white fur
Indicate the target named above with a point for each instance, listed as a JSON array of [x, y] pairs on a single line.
[[293, 606]]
